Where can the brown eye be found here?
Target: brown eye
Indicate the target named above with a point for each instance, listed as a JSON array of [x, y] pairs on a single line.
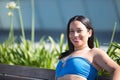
[[78, 31]]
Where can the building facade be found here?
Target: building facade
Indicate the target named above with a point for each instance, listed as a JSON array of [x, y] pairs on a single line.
[[51, 17]]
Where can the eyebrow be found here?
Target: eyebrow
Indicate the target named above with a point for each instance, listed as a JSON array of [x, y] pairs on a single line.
[[77, 28]]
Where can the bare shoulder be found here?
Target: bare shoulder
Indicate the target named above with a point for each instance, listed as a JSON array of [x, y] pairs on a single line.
[[100, 55], [98, 51], [103, 60]]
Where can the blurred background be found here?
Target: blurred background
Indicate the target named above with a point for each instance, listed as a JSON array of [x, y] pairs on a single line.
[[51, 17]]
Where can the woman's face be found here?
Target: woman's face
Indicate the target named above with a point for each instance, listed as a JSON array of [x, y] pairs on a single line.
[[79, 34]]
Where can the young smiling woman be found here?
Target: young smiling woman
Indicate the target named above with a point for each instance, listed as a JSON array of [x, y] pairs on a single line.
[[82, 61]]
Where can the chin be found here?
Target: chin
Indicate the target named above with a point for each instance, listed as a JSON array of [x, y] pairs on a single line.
[[76, 45]]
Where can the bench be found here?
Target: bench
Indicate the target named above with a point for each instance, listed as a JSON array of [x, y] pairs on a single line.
[[10, 72]]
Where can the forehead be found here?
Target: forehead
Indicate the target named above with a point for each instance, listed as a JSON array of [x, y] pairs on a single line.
[[77, 25]]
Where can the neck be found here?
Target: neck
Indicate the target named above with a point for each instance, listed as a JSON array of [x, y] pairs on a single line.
[[82, 48]]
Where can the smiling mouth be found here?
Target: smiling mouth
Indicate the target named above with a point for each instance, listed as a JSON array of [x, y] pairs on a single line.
[[76, 40]]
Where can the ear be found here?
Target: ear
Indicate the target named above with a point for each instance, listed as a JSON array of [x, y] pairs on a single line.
[[90, 33]]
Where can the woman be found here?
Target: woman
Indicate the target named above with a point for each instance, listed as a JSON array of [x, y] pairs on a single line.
[[82, 61]]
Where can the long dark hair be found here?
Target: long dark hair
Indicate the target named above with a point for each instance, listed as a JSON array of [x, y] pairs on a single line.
[[84, 20]]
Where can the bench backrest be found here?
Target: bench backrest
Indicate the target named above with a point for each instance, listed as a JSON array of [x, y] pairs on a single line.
[[9, 72]]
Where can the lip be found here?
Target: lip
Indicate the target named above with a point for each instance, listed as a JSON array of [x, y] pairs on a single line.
[[76, 40]]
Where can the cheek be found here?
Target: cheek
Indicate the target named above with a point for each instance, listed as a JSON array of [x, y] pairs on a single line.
[[70, 36], [85, 34]]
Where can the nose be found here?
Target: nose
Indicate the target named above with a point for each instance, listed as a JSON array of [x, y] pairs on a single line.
[[76, 34]]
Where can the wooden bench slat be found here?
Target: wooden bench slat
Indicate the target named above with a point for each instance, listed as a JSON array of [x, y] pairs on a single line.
[[9, 77], [25, 71]]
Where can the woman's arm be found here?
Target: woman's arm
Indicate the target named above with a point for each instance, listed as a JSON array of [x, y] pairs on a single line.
[[105, 62], [116, 74]]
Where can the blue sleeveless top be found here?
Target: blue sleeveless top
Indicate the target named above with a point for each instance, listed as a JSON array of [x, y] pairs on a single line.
[[76, 65]]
